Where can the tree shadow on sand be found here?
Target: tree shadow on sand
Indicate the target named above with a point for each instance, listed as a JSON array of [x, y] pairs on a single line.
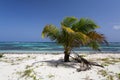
[[58, 63], [78, 61]]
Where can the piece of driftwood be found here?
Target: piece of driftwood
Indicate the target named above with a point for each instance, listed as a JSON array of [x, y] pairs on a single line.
[[84, 64]]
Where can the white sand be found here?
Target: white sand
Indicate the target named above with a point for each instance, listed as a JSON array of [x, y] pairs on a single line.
[[52, 67]]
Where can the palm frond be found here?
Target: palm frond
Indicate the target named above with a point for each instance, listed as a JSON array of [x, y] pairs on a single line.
[[94, 45], [93, 35], [85, 25], [96, 39], [67, 35], [50, 31], [68, 21], [67, 29], [81, 37]]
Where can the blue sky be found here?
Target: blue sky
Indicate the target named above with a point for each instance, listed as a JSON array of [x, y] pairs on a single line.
[[24, 20]]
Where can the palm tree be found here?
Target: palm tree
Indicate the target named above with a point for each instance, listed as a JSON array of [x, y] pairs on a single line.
[[74, 33]]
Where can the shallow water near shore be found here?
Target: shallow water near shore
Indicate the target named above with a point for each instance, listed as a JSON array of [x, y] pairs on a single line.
[[46, 47]]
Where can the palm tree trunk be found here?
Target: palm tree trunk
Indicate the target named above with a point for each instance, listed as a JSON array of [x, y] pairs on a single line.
[[66, 56]]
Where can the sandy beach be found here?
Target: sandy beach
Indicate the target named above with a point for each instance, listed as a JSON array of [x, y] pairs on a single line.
[[51, 67]]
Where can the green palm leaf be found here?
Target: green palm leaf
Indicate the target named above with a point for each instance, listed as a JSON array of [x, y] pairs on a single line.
[[96, 36], [50, 31], [69, 21], [94, 45], [84, 25]]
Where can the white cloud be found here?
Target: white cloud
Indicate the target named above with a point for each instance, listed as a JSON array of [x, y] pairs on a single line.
[[116, 27]]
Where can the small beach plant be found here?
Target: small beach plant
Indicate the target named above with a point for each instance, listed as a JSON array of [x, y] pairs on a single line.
[[74, 33], [103, 72], [1, 55]]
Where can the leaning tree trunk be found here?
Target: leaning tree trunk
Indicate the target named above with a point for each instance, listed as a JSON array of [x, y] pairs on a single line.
[[66, 56]]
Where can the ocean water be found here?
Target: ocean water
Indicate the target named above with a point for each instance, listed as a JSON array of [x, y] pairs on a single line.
[[51, 46]]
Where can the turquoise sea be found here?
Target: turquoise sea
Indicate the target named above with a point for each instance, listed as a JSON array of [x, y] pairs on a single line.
[[51, 46]]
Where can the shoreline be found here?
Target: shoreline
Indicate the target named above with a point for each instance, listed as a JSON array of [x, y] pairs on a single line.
[[57, 52]]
